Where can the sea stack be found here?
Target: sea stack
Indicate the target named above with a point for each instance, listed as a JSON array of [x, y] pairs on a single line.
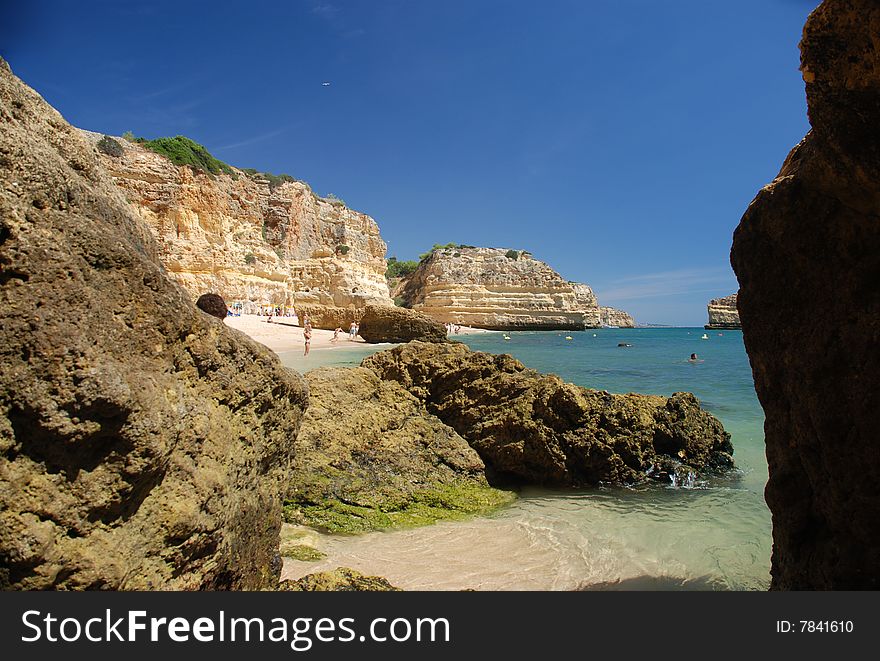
[[615, 317], [497, 289], [723, 314], [807, 256]]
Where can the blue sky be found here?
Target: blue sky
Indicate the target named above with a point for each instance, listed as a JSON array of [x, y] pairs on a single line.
[[618, 140]]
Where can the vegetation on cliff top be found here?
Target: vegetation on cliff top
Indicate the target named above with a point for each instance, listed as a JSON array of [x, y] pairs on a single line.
[[181, 150], [400, 269]]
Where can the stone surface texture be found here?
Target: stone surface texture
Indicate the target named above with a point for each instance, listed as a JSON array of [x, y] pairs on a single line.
[[143, 445], [807, 256], [537, 429]]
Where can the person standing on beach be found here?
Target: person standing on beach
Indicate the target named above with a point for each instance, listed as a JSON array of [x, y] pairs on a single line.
[[307, 338], [352, 331]]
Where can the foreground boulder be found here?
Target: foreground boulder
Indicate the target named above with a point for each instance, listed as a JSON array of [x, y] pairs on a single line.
[[807, 256], [369, 456], [536, 428], [143, 444], [382, 323]]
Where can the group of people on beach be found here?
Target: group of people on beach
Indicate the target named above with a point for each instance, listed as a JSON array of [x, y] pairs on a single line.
[[353, 331], [452, 328]]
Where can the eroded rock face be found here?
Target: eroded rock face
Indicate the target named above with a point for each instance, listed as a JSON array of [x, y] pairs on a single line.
[[144, 444], [723, 314], [369, 456], [615, 317], [538, 429], [249, 241], [807, 256], [486, 288], [329, 317], [393, 324]]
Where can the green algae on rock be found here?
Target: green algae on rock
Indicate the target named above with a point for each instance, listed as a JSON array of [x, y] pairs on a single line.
[[369, 456], [535, 428], [341, 579]]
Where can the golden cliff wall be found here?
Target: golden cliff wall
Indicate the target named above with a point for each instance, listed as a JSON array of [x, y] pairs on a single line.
[[483, 287], [249, 241]]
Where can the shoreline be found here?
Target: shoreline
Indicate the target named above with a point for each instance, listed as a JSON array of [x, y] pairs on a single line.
[[282, 335]]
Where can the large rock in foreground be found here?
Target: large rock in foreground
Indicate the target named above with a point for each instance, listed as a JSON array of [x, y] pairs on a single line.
[[369, 456], [144, 444], [381, 323], [807, 255], [536, 428], [723, 314]]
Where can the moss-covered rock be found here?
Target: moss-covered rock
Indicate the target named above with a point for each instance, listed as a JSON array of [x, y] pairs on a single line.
[[369, 456], [341, 579]]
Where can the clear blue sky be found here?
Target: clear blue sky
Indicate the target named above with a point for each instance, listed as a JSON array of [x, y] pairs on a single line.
[[618, 140]]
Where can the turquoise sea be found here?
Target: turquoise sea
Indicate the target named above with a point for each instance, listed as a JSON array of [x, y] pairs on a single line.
[[710, 535]]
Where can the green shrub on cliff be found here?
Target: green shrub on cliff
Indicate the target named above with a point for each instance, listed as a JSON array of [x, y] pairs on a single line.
[[512, 254], [180, 150], [400, 269]]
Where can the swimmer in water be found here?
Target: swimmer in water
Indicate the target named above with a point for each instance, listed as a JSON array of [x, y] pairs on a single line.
[[694, 359]]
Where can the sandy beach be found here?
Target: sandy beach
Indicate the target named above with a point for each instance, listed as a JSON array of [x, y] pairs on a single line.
[[282, 335]]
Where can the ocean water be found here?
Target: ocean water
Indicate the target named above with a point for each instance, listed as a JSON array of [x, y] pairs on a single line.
[[710, 535]]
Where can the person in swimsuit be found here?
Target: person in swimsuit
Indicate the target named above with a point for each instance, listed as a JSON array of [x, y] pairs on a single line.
[[307, 337]]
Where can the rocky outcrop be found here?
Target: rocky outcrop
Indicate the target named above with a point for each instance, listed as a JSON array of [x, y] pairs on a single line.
[[615, 317], [250, 240], [143, 445], [497, 289], [329, 317], [341, 579], [723, 314], [807, 256], [369, 456], [536, 428], [393, 324]]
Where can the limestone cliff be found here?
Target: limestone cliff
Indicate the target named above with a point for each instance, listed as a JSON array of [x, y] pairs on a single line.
[[247, 240], [497, 289], [807, 256], [615, 317], [143, 444], [723, 313]]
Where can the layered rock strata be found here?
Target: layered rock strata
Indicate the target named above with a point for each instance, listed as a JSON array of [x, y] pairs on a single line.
[[249, 240], [143, 445], [369, 456], [535, 428], [497, 289], [381, 323], [615, 317], [807, 256], [723, 314]]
